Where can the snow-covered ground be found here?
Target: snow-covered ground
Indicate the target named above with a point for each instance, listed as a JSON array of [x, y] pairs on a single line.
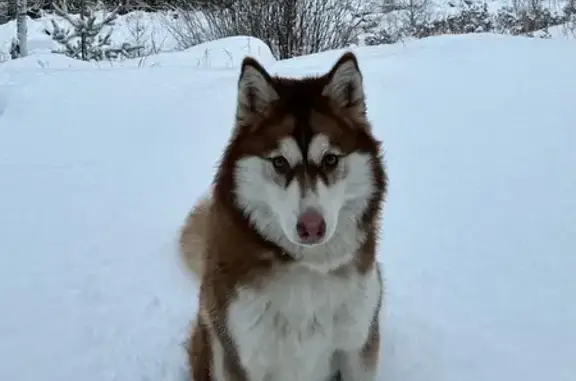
[[99, 166]]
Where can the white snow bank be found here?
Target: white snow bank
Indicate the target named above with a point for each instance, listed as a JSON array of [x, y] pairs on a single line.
[[226, 53], [565, 31], [99, 167]]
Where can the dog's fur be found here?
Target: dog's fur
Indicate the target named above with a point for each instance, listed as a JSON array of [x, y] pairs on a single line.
[[273, 307]]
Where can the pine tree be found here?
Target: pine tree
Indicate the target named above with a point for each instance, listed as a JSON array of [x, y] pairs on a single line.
[[87, 38]]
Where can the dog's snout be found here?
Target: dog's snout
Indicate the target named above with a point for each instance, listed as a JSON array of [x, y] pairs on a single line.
[[311, 226]]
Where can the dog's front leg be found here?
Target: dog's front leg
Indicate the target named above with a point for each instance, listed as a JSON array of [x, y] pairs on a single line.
[[360, 364]]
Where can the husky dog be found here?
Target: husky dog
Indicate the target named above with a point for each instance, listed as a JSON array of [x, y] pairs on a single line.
[[284, 245]]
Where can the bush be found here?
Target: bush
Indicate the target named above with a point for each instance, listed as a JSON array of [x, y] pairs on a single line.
[[289, 27], [471, 18]]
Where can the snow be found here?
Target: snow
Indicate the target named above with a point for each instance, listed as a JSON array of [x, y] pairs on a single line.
[[224, 54], [562, 31], [98, 168]]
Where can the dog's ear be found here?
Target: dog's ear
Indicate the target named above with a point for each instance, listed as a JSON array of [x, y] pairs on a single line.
[[255, 89], [345, 88]]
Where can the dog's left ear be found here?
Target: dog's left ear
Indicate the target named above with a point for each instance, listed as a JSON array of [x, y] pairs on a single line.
[[256, 92], [345, 88]]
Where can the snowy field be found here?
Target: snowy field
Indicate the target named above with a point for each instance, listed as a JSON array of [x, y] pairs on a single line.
[[99, 166]]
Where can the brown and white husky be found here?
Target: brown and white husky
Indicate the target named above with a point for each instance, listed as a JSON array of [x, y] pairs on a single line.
[[285, 243]]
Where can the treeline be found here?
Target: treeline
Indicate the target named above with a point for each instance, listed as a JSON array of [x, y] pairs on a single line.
[[299, 27]]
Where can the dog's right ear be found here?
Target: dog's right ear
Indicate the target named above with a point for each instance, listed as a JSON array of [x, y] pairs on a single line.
[[255, 90]]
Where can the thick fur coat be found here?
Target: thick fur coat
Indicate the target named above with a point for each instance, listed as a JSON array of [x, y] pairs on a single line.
[[285, 243]]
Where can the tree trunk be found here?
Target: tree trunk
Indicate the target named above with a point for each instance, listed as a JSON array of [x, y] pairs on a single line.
[[83, 41], [22, 28]]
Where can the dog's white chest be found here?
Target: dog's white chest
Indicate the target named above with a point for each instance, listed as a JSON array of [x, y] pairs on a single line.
[[289, 330]]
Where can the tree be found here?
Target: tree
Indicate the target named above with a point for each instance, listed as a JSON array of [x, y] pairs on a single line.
[[87, 39], [415, 14], [19, 45], [22, 27]]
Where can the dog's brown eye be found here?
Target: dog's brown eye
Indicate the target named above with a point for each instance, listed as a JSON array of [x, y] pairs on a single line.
[[280, 163], [329, 161]]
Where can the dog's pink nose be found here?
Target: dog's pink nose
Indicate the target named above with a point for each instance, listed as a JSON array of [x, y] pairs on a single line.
[[311, 226]]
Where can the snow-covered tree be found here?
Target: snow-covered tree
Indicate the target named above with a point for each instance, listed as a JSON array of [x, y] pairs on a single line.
[[88, 38]]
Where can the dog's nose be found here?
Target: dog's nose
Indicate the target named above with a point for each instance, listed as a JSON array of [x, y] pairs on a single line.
[[311, 226]]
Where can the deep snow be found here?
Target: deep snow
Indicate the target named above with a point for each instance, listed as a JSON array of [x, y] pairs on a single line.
[[99, 166]]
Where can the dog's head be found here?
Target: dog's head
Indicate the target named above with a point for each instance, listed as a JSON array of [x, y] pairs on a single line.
[[306, 170]]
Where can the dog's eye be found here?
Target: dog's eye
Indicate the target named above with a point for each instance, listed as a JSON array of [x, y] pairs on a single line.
[[329, 161], [280, 163]]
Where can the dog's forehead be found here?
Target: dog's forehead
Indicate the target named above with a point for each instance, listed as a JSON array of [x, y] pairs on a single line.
[[312, 132], [312, 151], [306, 139], [297, 133]]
